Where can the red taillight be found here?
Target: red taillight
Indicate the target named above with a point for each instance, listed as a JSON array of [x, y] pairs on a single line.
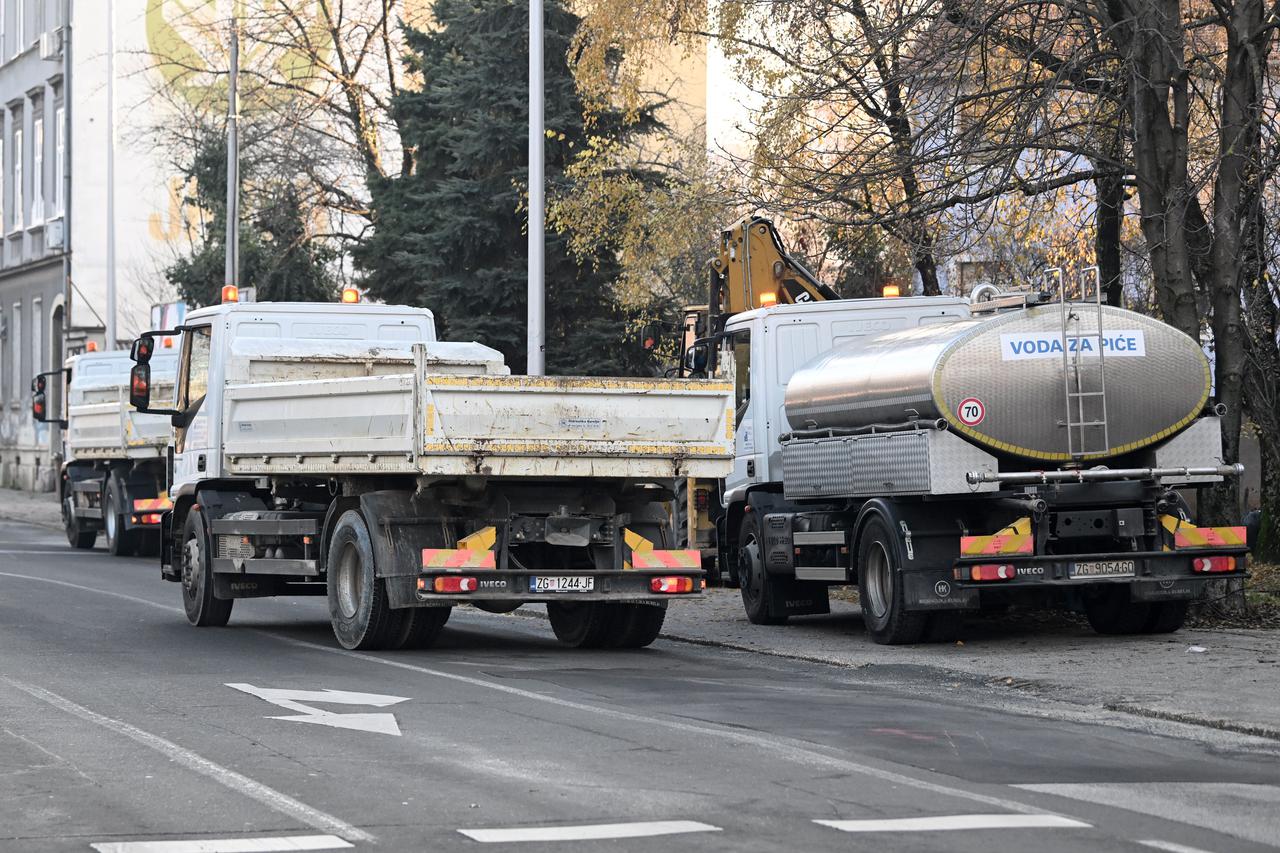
[[671, 585], [449, 584], [146, 518], [993, 572], [701, 499], [1213, 564]]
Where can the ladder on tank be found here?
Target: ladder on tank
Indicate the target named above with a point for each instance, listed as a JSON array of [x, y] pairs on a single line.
[[1084, 374]]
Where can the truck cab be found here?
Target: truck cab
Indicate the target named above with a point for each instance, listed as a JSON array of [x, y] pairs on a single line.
[[215, 336]]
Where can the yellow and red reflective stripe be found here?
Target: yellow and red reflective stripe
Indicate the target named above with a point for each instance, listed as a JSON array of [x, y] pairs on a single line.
[[1014, 539], [680, 559], [152, 504], [457, 558], [1186, 535]]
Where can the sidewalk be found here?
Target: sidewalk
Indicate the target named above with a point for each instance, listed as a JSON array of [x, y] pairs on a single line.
[[1228, 679], [31, 507]]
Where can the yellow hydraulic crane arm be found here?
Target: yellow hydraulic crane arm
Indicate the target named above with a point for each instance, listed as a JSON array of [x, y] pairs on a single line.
[[752, 268]]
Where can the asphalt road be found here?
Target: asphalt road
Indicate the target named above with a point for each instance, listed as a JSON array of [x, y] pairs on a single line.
[[124, 729]]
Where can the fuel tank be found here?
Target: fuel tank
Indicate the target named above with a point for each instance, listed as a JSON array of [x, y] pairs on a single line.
[[1006, 381]]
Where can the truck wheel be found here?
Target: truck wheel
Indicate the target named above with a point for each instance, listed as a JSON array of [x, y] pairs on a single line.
[[77, 536], [880, 590], [203, 608], [1166, 617], [420, 627], [359, 610], [1111, 612], [588, 625], [119, 539], [757, 587], [637, 625]]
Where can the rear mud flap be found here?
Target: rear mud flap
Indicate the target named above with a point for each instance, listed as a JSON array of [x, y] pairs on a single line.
[[799, 598], [935, 590], [1166, 589]]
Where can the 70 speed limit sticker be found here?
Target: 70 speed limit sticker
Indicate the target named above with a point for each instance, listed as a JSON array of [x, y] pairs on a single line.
[[971, 411]]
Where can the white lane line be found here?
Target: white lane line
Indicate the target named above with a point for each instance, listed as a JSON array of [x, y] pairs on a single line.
[[942, 823], [226, 845], [50, 552], [588, 832], [788, 749], [1170, 846], [237, 782]]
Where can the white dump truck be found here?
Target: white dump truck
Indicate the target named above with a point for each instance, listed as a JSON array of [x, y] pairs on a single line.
[[949, 457], [342, 450], [113, 469]]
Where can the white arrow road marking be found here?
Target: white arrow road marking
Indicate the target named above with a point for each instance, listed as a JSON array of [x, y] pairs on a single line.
[[226, 845], [949, 822], [383, 724], [588, 832], [237, 782]]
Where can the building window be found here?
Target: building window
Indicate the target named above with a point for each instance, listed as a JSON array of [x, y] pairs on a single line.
[[15, 335], [37, 336], [59, 156], [37, 169], [19, 208]]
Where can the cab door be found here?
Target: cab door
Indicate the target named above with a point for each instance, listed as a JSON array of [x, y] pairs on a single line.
[[194, 454], [738, 347]]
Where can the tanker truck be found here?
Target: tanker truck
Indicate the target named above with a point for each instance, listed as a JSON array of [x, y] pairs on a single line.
[[948, 457], [343, 451], [112, 477]]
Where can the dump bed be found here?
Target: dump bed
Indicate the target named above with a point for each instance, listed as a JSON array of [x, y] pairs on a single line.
[[100, 422], [453, 409]]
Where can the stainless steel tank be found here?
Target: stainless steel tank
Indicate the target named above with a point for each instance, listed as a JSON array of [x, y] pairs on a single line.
[[1001, 381]]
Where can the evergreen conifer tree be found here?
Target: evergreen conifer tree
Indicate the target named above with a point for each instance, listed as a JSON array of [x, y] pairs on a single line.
[[451, 235]]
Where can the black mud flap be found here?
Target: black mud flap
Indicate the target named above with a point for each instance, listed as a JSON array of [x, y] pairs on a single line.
[[800, 598], [935, 590], [246, 586], [168, 570], [1166, 589]]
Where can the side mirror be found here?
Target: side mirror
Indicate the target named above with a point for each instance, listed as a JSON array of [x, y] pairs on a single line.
[[143, 347], [40, 399], [140, 382]]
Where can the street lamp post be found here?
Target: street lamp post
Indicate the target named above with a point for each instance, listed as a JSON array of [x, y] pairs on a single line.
[[537, 213], [110, 323], [233, 160]]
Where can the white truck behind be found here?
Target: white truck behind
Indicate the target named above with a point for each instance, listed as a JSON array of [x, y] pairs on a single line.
[[113, 458], [341, 450]]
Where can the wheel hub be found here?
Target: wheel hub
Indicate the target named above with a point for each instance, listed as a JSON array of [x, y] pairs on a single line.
[[878, 581], [191, 557]]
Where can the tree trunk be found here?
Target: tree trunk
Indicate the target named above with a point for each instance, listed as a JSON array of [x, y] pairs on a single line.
[[1106, 246]]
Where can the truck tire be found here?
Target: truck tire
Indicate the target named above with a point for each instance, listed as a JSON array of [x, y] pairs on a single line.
[[880, 590], [119, 538], [1110, 611], [585, 625], [420, 627], [77, 536], [359, 609], [637, 625], [204, 609], [1166, 617], [757, 587]]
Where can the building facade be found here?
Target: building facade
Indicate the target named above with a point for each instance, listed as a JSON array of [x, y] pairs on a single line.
[[33, 203]]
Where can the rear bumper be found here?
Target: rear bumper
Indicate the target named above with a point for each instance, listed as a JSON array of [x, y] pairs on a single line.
[[511, 585], [1156, 576]]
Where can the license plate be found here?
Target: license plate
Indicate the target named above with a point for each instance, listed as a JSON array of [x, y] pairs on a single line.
[[561, 584], [1103, 569]]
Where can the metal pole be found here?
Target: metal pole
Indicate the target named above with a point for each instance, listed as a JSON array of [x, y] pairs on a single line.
[[110, 323], [537, 213], [233, 160]]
